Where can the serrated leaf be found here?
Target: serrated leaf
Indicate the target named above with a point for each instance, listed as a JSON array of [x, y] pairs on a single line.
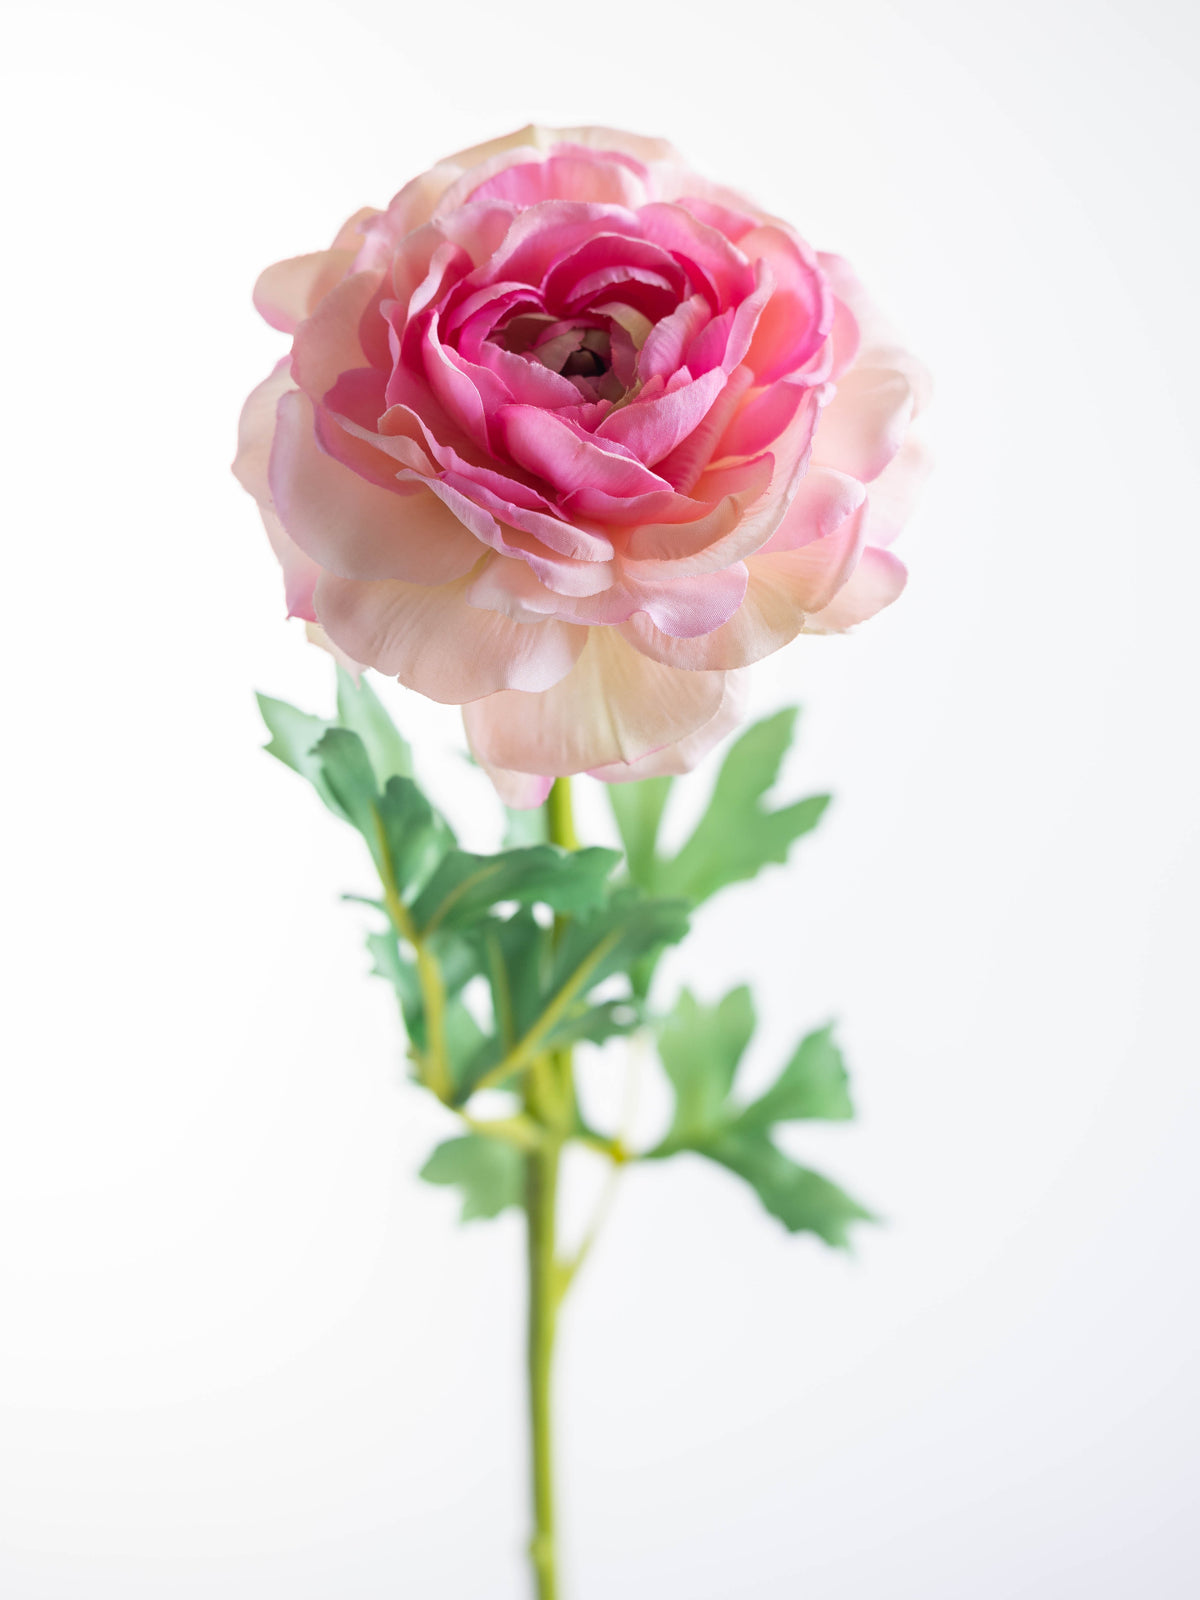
[[737, 836], [700, 1047], [361, 711], [803, 1200], [489, 1172], [613, 938], [813, 1084], [295, 735], [638, 808], [611, 1019], [466, 886], [404, 834]]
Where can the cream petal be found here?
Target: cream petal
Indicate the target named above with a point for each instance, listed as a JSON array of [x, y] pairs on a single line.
[[520, 791], [782, 591], [614, 706], [895, 491], [675, 759], [327, 343], [355, 528], [435, 642], [291, 290], [256, 430], [878, 579], [879, 345], [864, 425]]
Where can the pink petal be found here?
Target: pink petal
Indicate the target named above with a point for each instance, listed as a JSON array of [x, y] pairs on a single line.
[[519, 791], [256, 430], [355, 528], [662, 352], [291, 290], [879, 344], [894, 492], [822, 502], [563, 177], [569, 458], [878, 579], [783, 590], [651, 429], [433, 641], [864, 425], [759, 421], [718, 270], [800, 313], [327, 343], [674, 759], [615, 705]]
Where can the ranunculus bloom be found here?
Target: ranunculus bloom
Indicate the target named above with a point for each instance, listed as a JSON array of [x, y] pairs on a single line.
[[567, 436]]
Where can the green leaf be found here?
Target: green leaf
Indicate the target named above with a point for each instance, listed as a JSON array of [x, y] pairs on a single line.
[[638, 808], [294, 738], [343, 763], [404, 834], [610, 1020], [465, 886], [737, 836], [360, 710], [700, 1048], [813, 1084], [614, 938], [803, 1200], [490, 1173]]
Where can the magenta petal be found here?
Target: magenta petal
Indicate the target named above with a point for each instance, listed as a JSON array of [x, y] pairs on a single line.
[[662, 353], [800, 313], [570, 459], [651, 429]]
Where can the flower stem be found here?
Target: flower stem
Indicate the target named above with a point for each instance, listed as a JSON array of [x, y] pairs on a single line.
[[549, 1097]]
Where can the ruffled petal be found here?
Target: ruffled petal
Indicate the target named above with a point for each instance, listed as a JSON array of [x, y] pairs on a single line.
[[894, 492], [355, 528], [784, 588], [675, 759], [864, 425], [614, 706], [256, 430], [291, 290], [434, 641], [878, 579], [327, 343]]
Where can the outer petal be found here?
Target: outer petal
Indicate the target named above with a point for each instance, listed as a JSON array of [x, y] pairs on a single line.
[[674, 759], [615, 706], [894, 492], [256, 430], [520, 791], [327, 343], [864, 425], [878, 579], [879, 345], [291, 290], [435, 642], [784, 587], [354, 528]]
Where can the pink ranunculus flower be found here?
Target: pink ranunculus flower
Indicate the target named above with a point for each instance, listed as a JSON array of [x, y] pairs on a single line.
[[567, 436]]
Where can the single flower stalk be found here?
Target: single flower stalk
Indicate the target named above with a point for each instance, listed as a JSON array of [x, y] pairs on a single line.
[[570, 437]]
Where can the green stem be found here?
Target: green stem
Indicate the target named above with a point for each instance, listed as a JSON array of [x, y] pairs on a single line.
[[541, 1188], [549, 1098]]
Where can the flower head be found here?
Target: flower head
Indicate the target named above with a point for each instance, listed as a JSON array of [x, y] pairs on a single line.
[[568, 436]]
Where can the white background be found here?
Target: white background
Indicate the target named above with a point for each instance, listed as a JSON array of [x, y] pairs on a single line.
[[244, 1353]]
